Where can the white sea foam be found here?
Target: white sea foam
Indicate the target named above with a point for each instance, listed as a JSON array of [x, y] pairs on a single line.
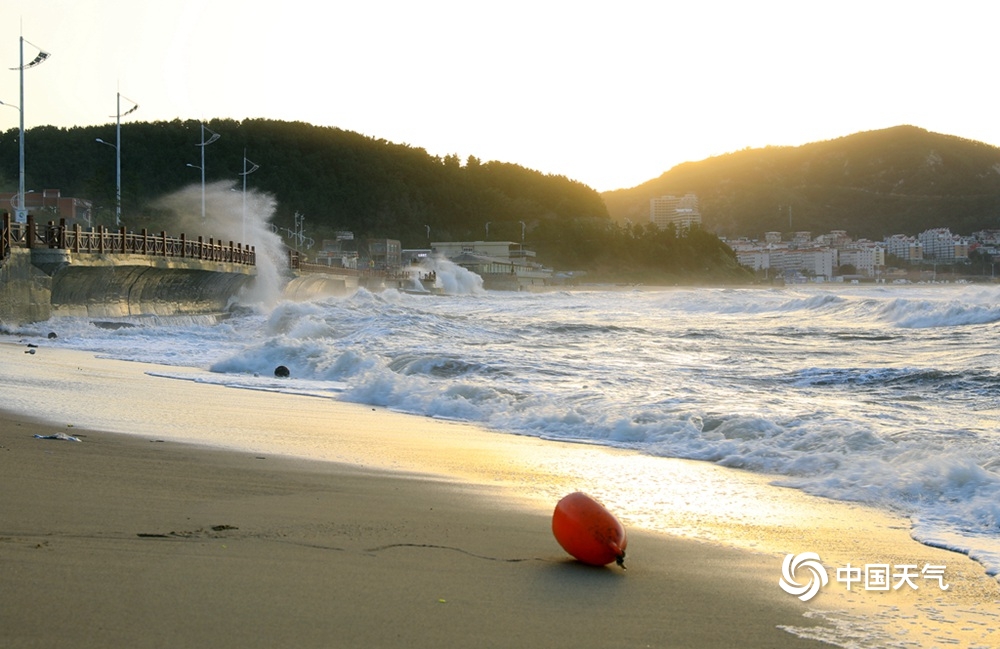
[[881, 395]]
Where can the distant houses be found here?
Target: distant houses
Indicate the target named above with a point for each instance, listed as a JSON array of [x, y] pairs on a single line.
[[828, 255], [51, 205], [503, 265]]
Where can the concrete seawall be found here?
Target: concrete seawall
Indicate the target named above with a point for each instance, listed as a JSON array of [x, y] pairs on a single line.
[[36, 284]]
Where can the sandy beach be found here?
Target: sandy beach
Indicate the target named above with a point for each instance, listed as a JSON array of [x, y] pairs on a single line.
[[400, 531]]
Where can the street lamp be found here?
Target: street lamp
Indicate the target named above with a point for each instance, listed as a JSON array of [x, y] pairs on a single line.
[[204, 143], [118, 181], [246, 172], [13, 199], [118, 153], [20, 212]]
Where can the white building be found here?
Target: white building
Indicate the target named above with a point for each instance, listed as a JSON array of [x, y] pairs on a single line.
[[503, 265], [681, 211], [906, 248], [818, 262], [942, 245], [866, 257]]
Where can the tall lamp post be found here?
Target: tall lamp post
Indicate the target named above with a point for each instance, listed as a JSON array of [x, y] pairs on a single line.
[[20, 211], [14, 199], [118, 180], [246, 172], [204, 143], [117, 146]]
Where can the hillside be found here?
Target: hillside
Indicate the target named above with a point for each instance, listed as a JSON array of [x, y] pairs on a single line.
[[340, 180], [872, 184]]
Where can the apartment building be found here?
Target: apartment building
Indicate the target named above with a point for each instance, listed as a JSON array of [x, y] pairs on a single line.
[[681, 211], [906, 248], [941, 245], [866, 257]]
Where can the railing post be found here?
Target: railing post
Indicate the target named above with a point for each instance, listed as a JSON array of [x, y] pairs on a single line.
[[61, 240], [5, 236], [30, 237], [163, 236], [123, 233], [211, 248], [145, 241], [183, 245], [76, 238], [232, 253], [100, 239]]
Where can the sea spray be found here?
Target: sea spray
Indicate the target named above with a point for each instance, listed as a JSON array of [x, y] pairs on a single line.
[[449, 278], [833, 391], [228, 211]]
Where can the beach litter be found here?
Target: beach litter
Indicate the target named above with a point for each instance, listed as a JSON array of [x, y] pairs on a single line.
[[62, 436]]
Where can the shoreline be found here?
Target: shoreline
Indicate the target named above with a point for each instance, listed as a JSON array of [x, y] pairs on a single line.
[[124, 541], [493, 492]]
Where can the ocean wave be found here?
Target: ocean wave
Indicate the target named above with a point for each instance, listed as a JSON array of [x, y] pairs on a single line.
[[875, 395]]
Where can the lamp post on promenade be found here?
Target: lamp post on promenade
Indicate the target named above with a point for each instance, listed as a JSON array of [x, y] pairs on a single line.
[[14, 199], [117, 146], [20, 211], [204, 143], [118, 180], [246, 172]]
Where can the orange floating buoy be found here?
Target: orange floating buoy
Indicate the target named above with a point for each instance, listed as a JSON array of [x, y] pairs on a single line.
[[588, 531]]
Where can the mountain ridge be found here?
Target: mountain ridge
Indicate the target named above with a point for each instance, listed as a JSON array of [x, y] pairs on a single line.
[[902, 179]]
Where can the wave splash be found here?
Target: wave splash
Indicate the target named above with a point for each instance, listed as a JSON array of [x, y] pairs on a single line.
[[872, 395]]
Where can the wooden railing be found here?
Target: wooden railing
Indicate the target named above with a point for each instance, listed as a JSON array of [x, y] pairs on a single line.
[[104, 241]]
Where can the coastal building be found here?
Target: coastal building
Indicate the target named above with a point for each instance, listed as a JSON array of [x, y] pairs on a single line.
[[756, 259], [835, 239], [788, 260], [867, 258], [821, 256], [50, 205], [384, 254], [680, 211], [340, 252], [908, 249], [503, 265], [815, 261], [941, 245]]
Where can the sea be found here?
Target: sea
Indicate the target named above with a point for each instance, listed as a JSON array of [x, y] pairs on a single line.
[[886, 395]]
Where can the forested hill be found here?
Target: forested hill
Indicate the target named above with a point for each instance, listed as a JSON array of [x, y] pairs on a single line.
[[338, 179], [898, 180]]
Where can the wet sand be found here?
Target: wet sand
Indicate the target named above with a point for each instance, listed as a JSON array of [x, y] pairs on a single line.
[[406, 532]]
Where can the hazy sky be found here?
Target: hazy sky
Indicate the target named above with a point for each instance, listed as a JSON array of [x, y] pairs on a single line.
[[611, 94]]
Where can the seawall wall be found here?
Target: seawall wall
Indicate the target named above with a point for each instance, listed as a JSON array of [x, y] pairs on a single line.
[[36, 284]]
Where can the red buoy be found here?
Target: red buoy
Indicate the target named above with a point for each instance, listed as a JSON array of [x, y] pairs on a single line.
[[588, 531]]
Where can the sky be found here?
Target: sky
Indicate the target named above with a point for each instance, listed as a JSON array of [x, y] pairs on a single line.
[[610, 94]]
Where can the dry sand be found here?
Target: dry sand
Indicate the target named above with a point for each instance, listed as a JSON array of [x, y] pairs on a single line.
[[412, 533]]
